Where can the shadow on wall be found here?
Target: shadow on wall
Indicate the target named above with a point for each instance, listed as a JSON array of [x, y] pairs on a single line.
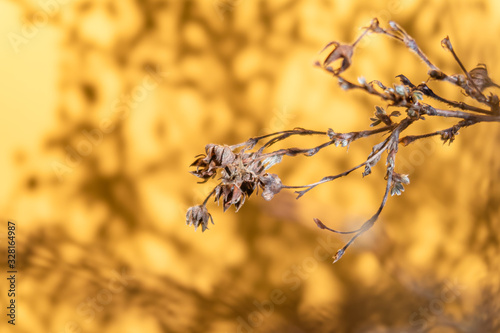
[[144, 85]]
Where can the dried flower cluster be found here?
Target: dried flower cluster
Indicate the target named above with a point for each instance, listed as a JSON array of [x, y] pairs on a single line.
[[243, 169], [241, 174]]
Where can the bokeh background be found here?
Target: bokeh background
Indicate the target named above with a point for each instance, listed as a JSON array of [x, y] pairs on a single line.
[[104, 105]]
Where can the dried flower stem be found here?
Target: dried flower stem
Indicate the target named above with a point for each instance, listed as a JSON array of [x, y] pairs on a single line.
[[243, 170]]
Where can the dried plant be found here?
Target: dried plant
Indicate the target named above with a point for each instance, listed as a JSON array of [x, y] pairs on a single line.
[[243, 168]]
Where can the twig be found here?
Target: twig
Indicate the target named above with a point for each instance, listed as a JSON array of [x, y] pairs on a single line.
[[243, 168]]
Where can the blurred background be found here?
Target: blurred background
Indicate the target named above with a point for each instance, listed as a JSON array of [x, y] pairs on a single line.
[[105, 104]]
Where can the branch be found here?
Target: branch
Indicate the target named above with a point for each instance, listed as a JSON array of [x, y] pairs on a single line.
[[243, 168]]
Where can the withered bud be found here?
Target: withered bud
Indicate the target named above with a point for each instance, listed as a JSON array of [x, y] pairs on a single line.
[[271, 184], [445, 43], [198, 215], [331, 133], [375, 27], [437, 75], [341, 51]]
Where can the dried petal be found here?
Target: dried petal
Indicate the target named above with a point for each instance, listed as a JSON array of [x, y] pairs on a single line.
[[232, 194], [221, 155], [417, 96], [270, 161], [368, 170], [379, 111], [401, 90], [227, 196], [247, 187], [405, 179], [397, 188], [479, 76], [404, 80]]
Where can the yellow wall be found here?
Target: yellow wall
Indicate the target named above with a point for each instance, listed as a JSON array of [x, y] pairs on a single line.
[[139, 88]]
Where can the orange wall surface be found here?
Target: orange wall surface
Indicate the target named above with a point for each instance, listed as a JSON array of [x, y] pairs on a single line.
[[106, 103]]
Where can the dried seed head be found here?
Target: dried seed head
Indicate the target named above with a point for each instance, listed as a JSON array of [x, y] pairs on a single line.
[[198, 215], [221, 155], [271, 184], [216, 157]]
